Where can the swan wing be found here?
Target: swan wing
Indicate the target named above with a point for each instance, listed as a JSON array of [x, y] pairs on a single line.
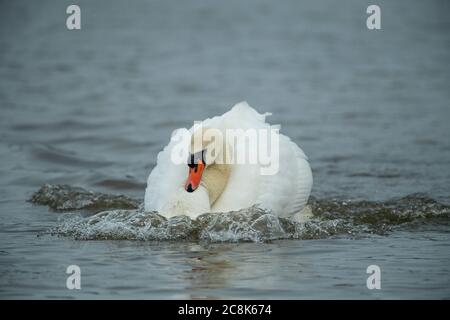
[[167, 177], [286, 193]]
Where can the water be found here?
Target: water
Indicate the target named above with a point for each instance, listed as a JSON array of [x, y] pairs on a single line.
[[92, 108], [110, 217]]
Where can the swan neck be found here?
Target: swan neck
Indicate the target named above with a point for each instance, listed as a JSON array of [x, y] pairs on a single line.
[[215, 179]]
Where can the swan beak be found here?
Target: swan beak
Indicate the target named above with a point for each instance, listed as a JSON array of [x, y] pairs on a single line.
[[194, 177]]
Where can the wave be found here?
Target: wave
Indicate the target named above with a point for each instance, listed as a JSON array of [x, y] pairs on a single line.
[[117, 217], [70, 198]]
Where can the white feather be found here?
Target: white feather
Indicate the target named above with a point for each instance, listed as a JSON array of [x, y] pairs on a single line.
[[284, 193]]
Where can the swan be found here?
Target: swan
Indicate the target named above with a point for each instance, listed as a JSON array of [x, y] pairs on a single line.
[[198, 171]]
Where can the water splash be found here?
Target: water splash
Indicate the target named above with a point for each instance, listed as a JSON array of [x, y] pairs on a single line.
[[123, 218], [70, 198]]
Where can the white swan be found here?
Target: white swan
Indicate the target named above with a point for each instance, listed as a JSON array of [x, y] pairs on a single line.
[[214, 183]]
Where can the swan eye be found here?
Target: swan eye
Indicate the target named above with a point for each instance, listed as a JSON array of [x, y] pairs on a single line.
[[203, 156], [190, 161], [195, 158]]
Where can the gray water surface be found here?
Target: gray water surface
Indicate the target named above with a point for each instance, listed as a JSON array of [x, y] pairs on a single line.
[[92, 108]]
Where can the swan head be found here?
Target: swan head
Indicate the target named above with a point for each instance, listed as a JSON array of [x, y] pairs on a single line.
[[197, 165], [207, 149]]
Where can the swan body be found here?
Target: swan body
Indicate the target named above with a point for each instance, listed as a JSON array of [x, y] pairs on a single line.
[[228, 186]]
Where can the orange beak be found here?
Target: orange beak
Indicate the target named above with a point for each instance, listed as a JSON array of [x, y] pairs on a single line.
[[194, 177]]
